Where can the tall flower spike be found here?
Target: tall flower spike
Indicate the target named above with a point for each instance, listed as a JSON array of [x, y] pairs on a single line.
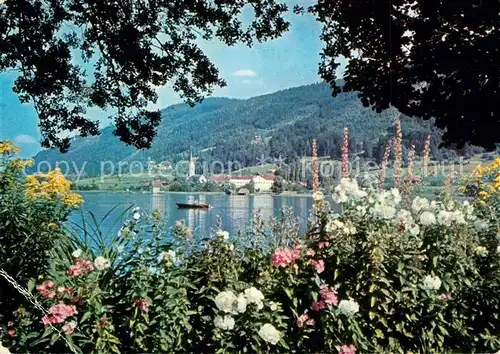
[[315, 168], [385, 162], [398, 155], [409, 175], [345, 154], [427, 150]]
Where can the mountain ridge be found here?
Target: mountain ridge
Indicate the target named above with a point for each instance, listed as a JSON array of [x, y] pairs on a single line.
[[225, 129]]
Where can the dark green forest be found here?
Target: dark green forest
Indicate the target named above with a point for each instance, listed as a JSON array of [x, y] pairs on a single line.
[[278, 124]]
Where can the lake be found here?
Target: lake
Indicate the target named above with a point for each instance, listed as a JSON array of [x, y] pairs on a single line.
[[235, 211]]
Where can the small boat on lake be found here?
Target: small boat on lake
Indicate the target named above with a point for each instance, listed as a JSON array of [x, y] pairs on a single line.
[[193, 205]]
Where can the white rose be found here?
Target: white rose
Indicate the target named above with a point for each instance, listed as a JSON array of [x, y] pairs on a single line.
[[384, 211], [419, 204], [404, 217], [348, 307], [101, 263], [270, 334], [137, 215], [77, 253], [224, 322], [254, 296], [225, 301], [427, 218], [223, 234], [431, 283], [241, 303]]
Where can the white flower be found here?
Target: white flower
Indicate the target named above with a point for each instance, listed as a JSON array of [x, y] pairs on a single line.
[[498, 249], [254, 296], [458, 217], [241, 303], [480, 224], [318, 196], [419, 204], [396, 196], [273, 305], [77, 253], [445, 217], [433, 205], [348, 307], [230, 247], [225, 301], [169, 256], [404, 217], [384, 211], [431, 283], [224, 322], [101, 263], [333, 225], [137, 215], [468, 208], [414, 229], [270, 334], [223, 234], [427, 218], [4, 350], [361, 210], [340, 197]]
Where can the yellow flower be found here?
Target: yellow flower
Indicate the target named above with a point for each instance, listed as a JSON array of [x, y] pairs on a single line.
[[20, 163], [52, 186], [7, 147]]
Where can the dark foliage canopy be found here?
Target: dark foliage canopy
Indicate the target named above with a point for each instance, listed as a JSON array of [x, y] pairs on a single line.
[[427, 58], [132, 45]]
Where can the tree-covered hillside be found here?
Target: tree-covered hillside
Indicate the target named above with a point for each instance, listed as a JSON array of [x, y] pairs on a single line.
[[221, 129]]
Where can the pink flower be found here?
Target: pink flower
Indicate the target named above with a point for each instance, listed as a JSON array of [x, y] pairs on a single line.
[[285, 256], [58, 314], [323, 244], [319, 265], [305, 319], [46, 289], [445, 296], [328, 295], [301, 320], [12, 332], [142, 305], [347, 349], [318, 305], [310, 252], [310, 322], [10, 324], [81, 267], [69, 327]]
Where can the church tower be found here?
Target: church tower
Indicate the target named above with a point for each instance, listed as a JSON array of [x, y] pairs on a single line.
[[192, 167]]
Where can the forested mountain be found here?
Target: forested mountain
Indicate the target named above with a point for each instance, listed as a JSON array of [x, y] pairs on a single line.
[[278, 124]]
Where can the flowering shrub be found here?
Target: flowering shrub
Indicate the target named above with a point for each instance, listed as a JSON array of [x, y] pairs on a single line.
[[379, 277], [29, 226]]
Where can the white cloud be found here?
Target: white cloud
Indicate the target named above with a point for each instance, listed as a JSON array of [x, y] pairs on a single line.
[[245, 72], [25, 139]]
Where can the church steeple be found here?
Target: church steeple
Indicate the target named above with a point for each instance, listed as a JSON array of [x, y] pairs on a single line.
[[192, 167]]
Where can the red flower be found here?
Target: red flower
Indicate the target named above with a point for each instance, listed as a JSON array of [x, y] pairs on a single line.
[[142, 305], [318, 305], [12, 332]]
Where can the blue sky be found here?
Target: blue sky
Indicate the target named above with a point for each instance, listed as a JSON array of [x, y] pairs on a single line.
[[267, 67]]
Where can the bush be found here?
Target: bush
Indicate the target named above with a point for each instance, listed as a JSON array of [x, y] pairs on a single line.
[[384, 276], [31, 210]]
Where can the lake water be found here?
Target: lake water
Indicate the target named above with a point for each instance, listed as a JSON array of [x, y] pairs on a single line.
[[235, 211]]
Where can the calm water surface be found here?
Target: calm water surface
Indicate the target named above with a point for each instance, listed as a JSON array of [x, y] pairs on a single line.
[[235, 211]]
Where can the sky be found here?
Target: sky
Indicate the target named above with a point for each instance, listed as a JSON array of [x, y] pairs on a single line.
[[289, 61]]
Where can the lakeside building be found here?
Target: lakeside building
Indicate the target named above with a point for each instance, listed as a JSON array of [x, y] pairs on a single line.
[[262, 182]]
